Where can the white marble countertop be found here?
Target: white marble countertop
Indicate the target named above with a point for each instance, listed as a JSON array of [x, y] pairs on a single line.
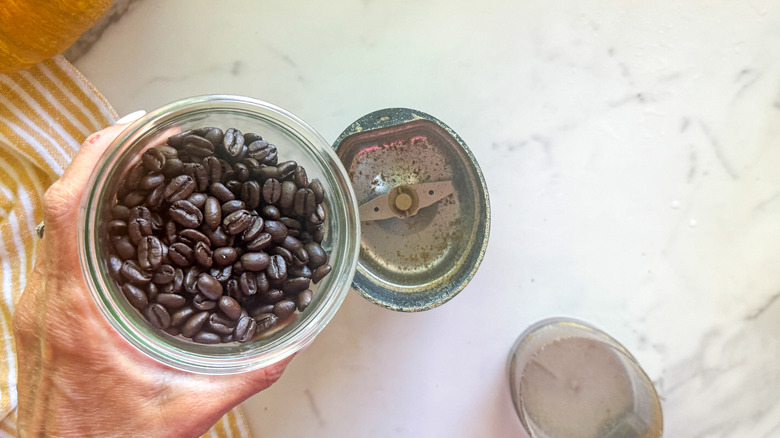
[[632, 154]]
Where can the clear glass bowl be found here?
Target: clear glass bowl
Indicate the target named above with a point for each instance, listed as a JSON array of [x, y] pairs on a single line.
[[295, 140]]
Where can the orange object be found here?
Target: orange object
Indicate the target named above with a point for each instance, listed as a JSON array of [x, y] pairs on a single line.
[[34, 30]]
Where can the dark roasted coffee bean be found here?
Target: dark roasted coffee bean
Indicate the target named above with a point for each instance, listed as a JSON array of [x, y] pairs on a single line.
[[317, 255], [233, 142], [190, 237], [255, 261], [206, 337], [218, 237], [202, 254], [319, 191], [167, 151], [180, 316], [209, 286], [272, 296], [237, 222], [304, 237], [283, 252], [251, 164], [245, 329], [135, 295], [272, 190], [304, 204], [134, 198], [199, 174], [139, 228], [222, 274], [134, 274], [214, 135], [155, 198], [202, 302], [173, 167], [181, 255], [178, 280], [171, 232], [212, 212], [319, 234], [261, 242], [272, 213], [151, 291], [180, 188], [292, 244], [317, 217], [300, 178], [166, 288], [158, 316], [283, 309], [258, 149], [151, 180], [218, 324], [241, 172], [190, 283], [120, 212], [300, 271], [232, 289], [295, 285], [170, 301], [277, 268], [320, 273], [197, 146], [272, 157], [224, 256], [303, 300], [164, 275], [250, 137], [287, 169], [232, 206], [185, 214], [265, 321], [134, 176], [194, 323], [234, 186], [254, 230], [150, 251], [213, 168], [117, 228], [262, 282], [176, 140], [276, 229], [114, 267], [247, 283], [287, 198], [250, 194], [266, 172], [140, 212], [229, 307], [221, 192], [198, 199], [260, 309]]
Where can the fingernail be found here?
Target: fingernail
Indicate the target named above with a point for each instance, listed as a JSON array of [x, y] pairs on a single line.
[[130, 117]]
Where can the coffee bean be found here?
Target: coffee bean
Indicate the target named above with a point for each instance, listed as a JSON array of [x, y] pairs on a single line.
[[134, 274], [151, 180], [265, 321], [230, 307], [176, 140], [276, 229], [319, 234], [190, 237], [151, 291], [317, 217], [180, 316], [283, 309], [212, 212], [134, 175], [202, 254], [219, 237], [150, 251], [114, 267], [319, 191], [286, 169], [261, 242], [303, 300], [181, 255], [320, 273], [222, 275], [120, 212], [232, 206], [198, 199], [232, 289], [285, 253], [219, 324], [304, 204], [173, 167], [135, 296], [300, 178], [277, 268], [197, 146], [317, 255], [221, 192], [199, 174], [185, 214], [155, 198], [262, 282], [237, 222], [179, 188], [194, 324], [287, 198], [233, 142], [202, 302], [300, 271], [255, 261], [205, 337], [272, 296], [254, 230], [272, 190], [247, 283], [295, 285], [171, 301], [117, 227], [153, 159], [224, 256], [158, 316], [134, 198], [209, 286], [245, 329], [241, 172], [178, 280], [139, 228], [213, 168], [258, 149], [270, 212], [234, 186], [250, 194], [267, 172]]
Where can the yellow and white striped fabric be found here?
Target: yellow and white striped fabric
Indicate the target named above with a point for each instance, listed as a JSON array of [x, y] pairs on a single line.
[[46, 112]]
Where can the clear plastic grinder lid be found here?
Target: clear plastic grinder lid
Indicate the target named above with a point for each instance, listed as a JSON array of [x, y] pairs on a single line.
[[424, 208]]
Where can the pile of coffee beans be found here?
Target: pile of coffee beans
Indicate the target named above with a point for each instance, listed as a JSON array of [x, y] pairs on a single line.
[[212, 238]]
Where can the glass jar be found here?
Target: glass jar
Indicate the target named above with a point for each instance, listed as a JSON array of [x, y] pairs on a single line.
[[295, 140]]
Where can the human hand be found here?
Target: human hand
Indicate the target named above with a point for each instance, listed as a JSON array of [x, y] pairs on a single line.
[[76, 375]]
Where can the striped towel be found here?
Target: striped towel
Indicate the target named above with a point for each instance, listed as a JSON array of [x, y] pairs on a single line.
[[46, 112]]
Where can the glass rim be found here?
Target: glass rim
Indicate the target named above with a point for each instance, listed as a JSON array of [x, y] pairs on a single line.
[[221, 359]]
